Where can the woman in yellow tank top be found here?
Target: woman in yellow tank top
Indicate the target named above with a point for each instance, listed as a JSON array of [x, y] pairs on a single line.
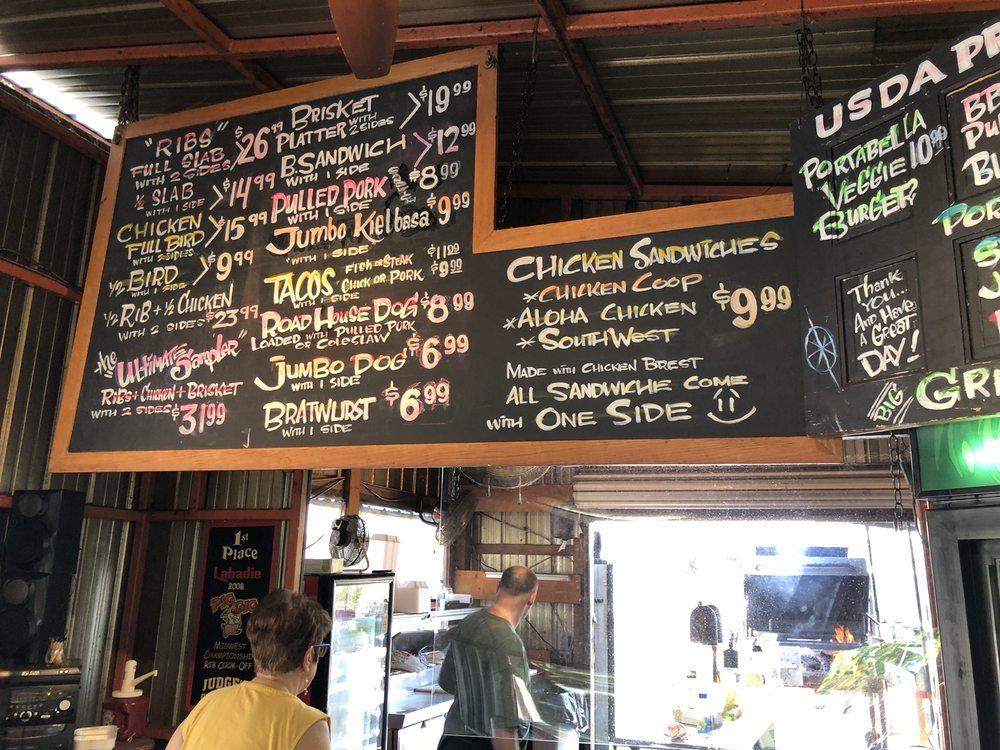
[[285, 634]]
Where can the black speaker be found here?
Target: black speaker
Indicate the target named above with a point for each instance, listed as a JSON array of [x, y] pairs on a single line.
[[39, 559]]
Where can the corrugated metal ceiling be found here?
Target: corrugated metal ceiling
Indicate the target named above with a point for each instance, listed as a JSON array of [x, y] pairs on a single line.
[[695, 107]]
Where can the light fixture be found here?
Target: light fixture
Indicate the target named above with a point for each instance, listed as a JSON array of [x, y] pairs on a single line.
[[367, 32]]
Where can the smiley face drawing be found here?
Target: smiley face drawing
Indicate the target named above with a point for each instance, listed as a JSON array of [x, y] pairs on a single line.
[[726, 403]]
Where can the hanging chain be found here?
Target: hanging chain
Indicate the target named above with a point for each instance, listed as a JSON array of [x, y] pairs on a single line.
[[812, 83], [128, 108], [896, 471], [527, 91]]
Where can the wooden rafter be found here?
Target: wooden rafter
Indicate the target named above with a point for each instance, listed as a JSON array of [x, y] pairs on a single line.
[[221, 43], [732, 14], [554, 14], [649, 192], [40, 280], [50, 120]]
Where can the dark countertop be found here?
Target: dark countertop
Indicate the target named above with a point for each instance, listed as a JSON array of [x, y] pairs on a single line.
[[413, 707]]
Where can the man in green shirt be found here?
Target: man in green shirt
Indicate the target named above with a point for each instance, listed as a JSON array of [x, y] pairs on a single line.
[[486, 669]]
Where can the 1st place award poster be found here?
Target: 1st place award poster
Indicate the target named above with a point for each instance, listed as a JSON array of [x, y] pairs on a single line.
[[238, 564]]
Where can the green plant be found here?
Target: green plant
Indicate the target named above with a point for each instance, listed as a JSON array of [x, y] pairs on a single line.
[[859, 669]]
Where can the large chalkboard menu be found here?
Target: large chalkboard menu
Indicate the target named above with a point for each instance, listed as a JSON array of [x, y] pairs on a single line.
[[237, 571], [897, 211], [296, 275]]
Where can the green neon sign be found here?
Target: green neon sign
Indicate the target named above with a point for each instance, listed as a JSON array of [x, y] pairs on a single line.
[[957, 456]]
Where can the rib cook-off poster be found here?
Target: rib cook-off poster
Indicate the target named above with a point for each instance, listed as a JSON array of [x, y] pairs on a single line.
[[238, 564]]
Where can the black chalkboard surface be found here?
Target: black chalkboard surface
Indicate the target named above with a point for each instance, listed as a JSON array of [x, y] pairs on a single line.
[[882, 322], [238, 563], [672, 334], [897, 213], [288, 277], [299, 277]]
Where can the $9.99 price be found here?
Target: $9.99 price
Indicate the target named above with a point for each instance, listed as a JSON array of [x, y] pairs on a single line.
[[747, 303]]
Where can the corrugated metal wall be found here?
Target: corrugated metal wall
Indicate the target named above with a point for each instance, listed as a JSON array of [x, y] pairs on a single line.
[[528, 211], [237, 490], [547, 627], [168, 607], [48, 195]]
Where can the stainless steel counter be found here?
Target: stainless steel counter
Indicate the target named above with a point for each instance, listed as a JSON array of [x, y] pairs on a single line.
[[406, 709]]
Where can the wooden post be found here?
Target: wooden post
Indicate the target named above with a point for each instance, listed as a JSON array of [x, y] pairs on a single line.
[[581, 612], [199, 490], [135, 574], [460, 554], [296, 531], [352, 492], [554, 14]]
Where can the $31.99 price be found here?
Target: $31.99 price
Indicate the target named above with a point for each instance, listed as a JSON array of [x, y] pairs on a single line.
[[197, 417]]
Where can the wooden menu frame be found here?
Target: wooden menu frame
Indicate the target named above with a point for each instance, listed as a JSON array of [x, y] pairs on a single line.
[[486, 238]]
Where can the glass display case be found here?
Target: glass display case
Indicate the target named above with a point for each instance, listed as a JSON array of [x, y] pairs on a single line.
[[351, 683]]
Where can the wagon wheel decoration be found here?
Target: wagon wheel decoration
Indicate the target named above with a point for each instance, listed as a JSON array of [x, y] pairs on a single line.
[[821, 350]]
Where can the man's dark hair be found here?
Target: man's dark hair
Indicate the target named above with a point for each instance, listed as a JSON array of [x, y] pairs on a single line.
[[281, 629], [518, 580]]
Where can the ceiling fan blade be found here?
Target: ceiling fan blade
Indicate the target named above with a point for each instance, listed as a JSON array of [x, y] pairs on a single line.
[[367, 32]]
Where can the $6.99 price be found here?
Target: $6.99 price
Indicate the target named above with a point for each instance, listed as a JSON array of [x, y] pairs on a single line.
[[417, 398]]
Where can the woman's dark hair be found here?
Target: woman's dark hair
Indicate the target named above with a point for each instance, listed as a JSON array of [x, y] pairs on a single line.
[[281, 629]]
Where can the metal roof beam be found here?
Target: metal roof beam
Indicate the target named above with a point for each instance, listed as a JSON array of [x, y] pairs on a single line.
[[732, 14], [220, 42], [554, 14], [740, 14]]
